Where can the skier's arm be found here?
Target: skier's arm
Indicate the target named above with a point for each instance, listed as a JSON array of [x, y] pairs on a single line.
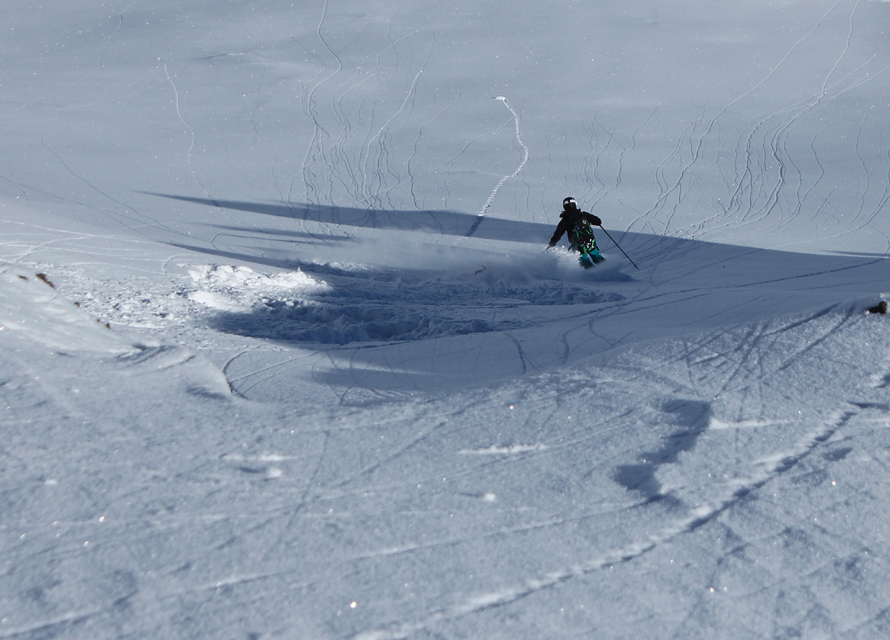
[[560, 229], [592, 219]]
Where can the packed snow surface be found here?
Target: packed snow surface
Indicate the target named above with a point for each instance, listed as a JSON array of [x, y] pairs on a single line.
[[284, 354]]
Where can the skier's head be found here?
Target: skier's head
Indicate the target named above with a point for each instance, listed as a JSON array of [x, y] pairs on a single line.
[[569, 204]]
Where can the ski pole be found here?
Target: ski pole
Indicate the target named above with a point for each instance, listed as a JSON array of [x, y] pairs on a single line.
[[619, 248]]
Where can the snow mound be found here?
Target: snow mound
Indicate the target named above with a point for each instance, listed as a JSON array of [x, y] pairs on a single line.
[[31, 310]]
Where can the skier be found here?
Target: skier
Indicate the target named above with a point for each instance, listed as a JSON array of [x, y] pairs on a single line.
[[578, 225]]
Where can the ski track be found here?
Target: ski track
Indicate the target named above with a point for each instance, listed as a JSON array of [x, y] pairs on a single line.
[[525, 154], [554, 578], [760, 189], [192, 135]]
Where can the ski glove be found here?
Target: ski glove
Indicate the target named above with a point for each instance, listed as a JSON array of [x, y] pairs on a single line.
[[595, 221]]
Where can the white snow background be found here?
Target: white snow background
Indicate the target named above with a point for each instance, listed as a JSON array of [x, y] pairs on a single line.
[[297, 365]]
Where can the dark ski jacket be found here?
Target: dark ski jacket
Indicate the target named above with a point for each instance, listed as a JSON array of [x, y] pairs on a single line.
[[570, 220]]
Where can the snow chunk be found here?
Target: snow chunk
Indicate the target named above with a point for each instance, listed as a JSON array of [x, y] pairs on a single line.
[[216, 301], [238, 289], [246, 278]]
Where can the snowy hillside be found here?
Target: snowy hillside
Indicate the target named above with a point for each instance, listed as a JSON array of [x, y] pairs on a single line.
[[283, 355]]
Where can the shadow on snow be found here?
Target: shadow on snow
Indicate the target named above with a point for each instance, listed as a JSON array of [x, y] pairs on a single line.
[[450, 223], [387, 317]]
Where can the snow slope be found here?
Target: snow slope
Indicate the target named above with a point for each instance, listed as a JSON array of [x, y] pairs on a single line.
[[284, 356]]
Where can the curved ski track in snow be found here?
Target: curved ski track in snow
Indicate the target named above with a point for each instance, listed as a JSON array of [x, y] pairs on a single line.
[[525, 152]]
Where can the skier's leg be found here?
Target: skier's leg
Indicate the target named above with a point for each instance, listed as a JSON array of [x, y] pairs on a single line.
[[574, 243]]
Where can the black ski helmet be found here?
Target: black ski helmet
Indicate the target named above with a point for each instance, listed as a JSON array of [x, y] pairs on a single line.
[[569, 203]]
